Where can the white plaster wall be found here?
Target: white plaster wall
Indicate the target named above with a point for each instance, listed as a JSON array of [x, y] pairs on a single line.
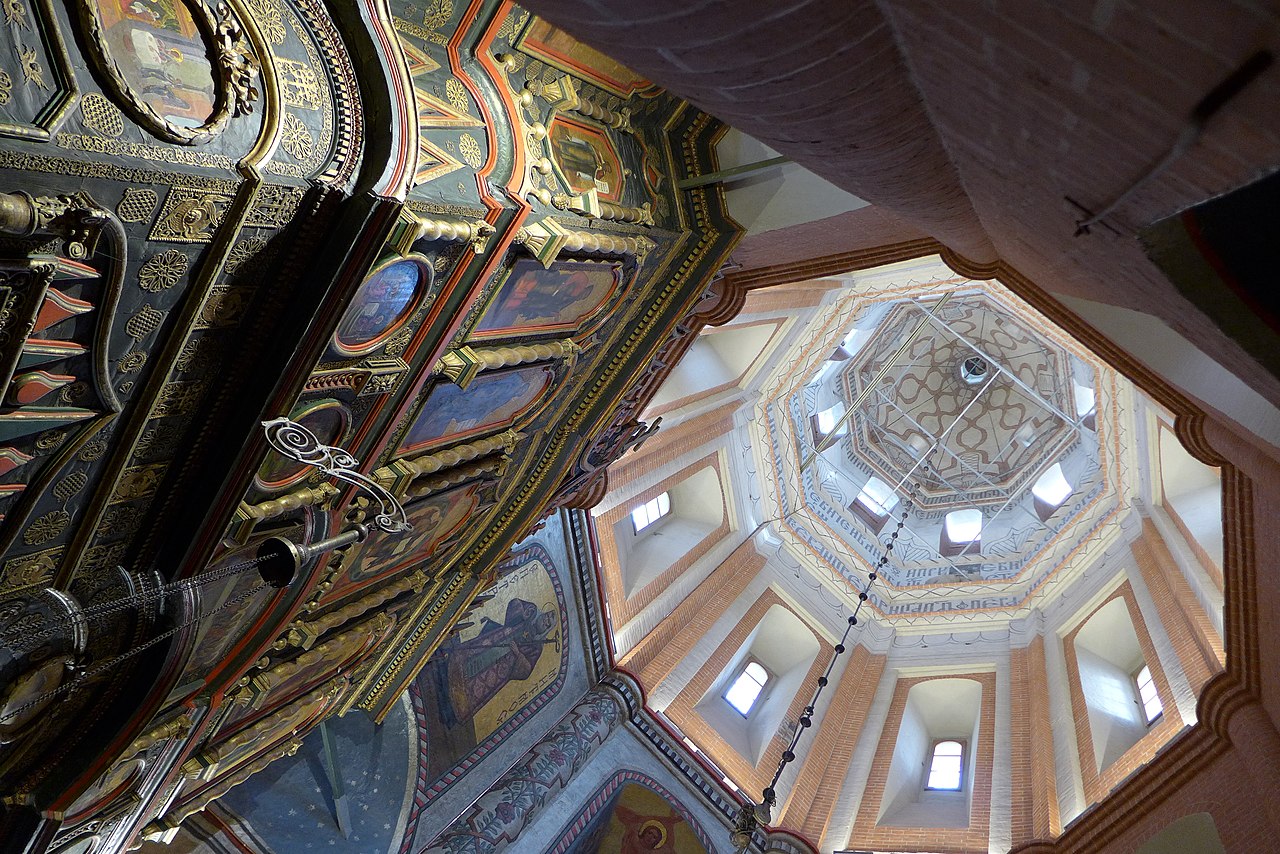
[[1114, 720], [783, 196]]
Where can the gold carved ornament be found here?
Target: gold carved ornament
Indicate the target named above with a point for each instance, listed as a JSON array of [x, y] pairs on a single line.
[[235, 69]]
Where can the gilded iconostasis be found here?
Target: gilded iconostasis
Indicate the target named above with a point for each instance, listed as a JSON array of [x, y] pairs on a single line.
[[445, 242]]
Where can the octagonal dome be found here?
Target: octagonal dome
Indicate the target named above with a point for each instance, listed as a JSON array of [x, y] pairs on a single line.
[[951, 414], [970, 412]]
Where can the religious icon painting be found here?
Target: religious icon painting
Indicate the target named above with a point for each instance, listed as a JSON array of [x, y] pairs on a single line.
[[328, 419], [157, 48], [493, 399], [630, 816], [507, 658], [383, 304], [559, 298], [436, 521], [585, 158]]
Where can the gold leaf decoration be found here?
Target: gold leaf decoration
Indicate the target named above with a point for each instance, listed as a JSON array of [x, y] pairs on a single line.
[[470, 150], [137, 205], [101, 115], [163, 271], [296, 139], [267, 15], [457, 95], [46, 527]]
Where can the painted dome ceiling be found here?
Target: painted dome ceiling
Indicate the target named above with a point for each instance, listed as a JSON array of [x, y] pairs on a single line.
[[1013, 438], [973, 409]]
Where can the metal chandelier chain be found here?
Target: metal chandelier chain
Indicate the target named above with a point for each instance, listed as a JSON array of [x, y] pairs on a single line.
[[106, 609], [74, 685], [806, 719]]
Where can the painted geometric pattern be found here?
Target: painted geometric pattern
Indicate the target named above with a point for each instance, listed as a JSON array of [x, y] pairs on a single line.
[[998, 444]]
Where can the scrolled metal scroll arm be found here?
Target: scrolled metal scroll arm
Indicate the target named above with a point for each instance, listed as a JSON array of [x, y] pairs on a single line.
[[298, 443]]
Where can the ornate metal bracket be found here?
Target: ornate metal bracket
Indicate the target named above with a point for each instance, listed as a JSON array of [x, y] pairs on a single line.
[[298, 443]]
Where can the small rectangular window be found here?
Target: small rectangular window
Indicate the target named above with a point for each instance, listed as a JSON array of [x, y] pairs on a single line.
[[746, 688], [828, 422], [878, 497], [1152, 708], [651, 511], [946, 766]]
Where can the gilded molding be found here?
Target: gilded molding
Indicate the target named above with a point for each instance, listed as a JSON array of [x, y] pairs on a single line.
[[174, 727], [304, 633], [617, 119], [413, 227], [163, 829], [496, 466], [207, 764], [589, 204], [401, 473], [546, 239], [457, 362], [247, 516]]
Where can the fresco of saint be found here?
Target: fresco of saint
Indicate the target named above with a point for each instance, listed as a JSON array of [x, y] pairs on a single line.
[[472, 672]]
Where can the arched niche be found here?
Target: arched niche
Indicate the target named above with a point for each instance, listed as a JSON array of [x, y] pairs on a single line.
[[936, 710], [719, 358], [1192, 496], [1108, 655], [697, 512], [786, 647]]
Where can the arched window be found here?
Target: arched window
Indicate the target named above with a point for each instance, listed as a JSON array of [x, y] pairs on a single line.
[[1086, 406], [745, 690], [961, 532], [878, 497], [1152, 708], [946, 768], [1050, 490], [651, 511]]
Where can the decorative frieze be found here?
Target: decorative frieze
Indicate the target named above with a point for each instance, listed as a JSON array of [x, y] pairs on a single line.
[[496, 819]]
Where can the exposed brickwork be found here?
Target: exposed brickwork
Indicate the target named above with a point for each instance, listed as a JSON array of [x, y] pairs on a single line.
[[826, 758], [1194, 639], [681, 711], [624, 607], [944, 840], [1097, 785], [669, 444], [788, 298], [824, 83], [1033, 100], [1035, 788], [660, 651], [852, 231]]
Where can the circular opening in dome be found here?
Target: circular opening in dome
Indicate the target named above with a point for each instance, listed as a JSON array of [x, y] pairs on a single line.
[[974, 370]]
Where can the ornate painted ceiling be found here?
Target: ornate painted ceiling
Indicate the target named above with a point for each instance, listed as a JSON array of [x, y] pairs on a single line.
[[963, 393], [990, 434]]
